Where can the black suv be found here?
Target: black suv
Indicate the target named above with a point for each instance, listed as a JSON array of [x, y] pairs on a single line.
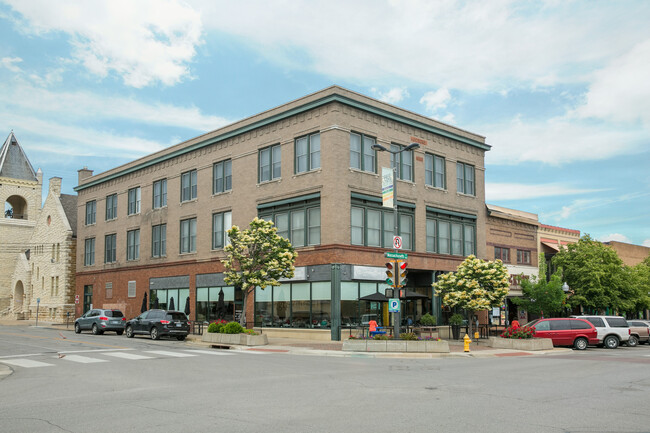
[[157, 323]]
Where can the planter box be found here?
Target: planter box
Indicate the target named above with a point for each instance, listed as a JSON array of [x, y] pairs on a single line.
[[405, 346], [234, 339], [516, 344]]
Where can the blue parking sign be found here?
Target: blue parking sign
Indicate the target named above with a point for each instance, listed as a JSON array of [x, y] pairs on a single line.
[[393, 305]]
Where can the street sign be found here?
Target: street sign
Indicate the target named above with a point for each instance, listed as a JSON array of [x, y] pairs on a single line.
[[393, 305], [393, 255], [76, 299], [397, 242]]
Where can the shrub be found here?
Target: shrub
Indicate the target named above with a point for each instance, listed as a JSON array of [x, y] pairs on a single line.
[[213, 327], [428, 320], [249, 332], [523, 332], [381, 337], [232, 328], [456, 319], [408, 336]]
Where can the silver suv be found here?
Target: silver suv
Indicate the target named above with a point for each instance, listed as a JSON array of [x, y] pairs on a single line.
[[612, 330]]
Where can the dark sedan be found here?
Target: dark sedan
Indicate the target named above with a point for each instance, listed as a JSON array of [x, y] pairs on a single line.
[[159, 323]]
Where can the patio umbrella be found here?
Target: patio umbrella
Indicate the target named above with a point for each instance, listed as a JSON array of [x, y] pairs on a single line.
[[187, 306], [414, 295], [221, 306], [155, 303], [144, 303], [374, 297], [171, 303]]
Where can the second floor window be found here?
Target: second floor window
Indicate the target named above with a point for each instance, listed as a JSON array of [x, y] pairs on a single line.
[[159, 240], [404, 162], [110, 250], [91, 212], [89, 252], [465, 178], [373, 226], [160, 193], [434, 171], [307, 153], [188, 236], [450, 235], [523, 257], [221, 223], [134, 200], [111, 207], [362, 155], [188, 185], [502, 254], [269, 163], [133, 244], [299, 222], [222, 175]]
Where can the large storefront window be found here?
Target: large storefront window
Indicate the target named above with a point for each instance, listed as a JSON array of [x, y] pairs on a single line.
[[208, 305], [296, 305], [170, 299]]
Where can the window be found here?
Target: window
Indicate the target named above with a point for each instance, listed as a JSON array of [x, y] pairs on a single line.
[[111, 207], [91, 212], [222, 176], [523, 257], [465, 178], [579, 324], [221, 223], [617, 322], [543, 325], [298, 221], [159, 240], [188, 185], [373, 225], [596, 321], [450, 234], [188, 236], [307, 151], [502, 254], [434, 171], [134, 200], [89, 252], [160, 193], [269, 163], [560, 325], [404, 162], [133, 244], [362, 155], [110, 250]]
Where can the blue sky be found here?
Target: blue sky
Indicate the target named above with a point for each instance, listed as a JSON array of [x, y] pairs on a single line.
[[560, 89]]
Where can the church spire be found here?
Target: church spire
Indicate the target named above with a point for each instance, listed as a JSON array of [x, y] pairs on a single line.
[[14, 164]]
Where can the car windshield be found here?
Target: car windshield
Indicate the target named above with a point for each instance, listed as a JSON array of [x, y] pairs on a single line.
[[532, 323], [176, 316]]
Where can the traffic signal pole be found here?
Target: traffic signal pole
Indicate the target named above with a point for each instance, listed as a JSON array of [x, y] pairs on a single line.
[[397, 320]]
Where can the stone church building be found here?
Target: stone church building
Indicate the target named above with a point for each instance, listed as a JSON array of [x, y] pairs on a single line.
[[37, 258]]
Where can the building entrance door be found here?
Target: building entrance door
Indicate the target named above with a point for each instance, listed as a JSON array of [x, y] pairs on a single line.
[[88, 297]]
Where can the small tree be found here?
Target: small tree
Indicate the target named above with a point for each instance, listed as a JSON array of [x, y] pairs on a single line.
[[541, 296], [257, 257], [476, 285]]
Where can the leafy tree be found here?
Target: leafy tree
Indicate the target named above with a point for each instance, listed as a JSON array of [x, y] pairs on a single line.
[[257, 257], [639, 280], [540, 296], [596, 275], [476, 285]]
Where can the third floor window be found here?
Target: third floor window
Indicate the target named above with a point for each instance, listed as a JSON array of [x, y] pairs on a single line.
[[404, 162], [111, 207], [307, 153], [465, 178], [269, 163], [222, 175], [434, 171], [188, 185], [91, 212], [362, 155], [134, 200], [160, 193]]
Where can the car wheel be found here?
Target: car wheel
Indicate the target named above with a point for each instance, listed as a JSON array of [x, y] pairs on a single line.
[[180, 337], [77, 328], [155, 335], [633, 341], [129, 331], [611, 342], [580, 343], [119, 332], [96, 330]]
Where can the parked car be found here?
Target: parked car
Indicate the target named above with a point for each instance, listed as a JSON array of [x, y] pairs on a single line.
[[612, 330], [159, 323], [99, 320], [639, 332], [578, 333]]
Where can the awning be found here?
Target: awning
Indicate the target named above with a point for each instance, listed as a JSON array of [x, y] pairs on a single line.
[[551, 246]]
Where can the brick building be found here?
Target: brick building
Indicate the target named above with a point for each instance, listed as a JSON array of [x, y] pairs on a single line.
[[630, 254], [156, 226]]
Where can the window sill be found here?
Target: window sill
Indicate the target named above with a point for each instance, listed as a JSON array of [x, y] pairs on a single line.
[[194, 200], [133, 214], [158, 257], [266, 182], [228, 192], [436, 188], [356, 170], [191, 253], [302, 173], [112, 219], [462, 194], [159, 208]]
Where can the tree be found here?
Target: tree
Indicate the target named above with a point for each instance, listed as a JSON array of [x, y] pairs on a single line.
[[540, 296], [596, 275], [257, 257], [639, 280], [476, 285]]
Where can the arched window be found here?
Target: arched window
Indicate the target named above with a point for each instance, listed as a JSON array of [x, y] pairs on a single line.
[[16, 207]]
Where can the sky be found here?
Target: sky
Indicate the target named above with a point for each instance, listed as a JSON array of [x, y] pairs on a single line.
[[559, 88]]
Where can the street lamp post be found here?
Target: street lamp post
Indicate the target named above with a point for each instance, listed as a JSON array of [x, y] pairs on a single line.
[[380, 148]]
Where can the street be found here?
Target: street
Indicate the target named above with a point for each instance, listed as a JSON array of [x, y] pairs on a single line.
[[84, 383]]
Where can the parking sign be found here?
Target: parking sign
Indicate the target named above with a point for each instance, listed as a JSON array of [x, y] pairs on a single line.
[[393, 305]]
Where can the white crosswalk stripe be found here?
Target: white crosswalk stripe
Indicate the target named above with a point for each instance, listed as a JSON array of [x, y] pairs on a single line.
[[83, 359], [211, 352], [126, 355], [26, 363], [167, 353]]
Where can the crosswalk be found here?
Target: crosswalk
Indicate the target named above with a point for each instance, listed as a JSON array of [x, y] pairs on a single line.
[[101, 356]]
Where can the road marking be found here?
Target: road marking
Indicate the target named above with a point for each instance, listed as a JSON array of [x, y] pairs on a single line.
[[83, 359], [125, 355], [26, 363], [210, 352], [166, 353]]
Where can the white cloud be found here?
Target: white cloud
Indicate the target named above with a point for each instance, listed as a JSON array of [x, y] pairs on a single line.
[[144, 42], [518, 191], [433, 101], [615, 237], [10, 63], [392, 96]]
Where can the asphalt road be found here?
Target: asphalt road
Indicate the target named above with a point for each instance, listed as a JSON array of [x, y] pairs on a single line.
[[111, 383]]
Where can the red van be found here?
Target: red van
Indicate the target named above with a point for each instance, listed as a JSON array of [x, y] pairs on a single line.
[[578, 333]]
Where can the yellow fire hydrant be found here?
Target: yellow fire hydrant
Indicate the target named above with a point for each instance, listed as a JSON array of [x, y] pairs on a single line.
[[476, 336], [466, 341]]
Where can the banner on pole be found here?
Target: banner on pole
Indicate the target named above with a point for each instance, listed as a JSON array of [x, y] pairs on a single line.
[[387, 187]]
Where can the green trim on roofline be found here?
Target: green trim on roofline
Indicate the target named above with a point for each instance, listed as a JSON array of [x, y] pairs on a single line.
[[288, 201], [281, 116], [451, 213]]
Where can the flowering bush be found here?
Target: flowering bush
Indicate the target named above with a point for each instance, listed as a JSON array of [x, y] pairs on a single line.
[[523, 332]]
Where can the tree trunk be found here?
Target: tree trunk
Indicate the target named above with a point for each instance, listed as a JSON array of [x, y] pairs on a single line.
[[242, 319], [470, 319]]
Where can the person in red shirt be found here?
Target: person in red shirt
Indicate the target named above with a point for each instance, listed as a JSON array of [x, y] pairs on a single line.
[[515, 324], [372, 325]]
